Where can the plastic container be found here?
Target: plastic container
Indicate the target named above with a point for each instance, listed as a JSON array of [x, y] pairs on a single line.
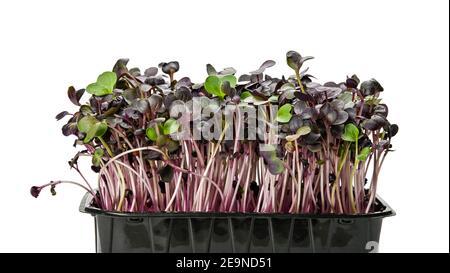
[[236, 232]]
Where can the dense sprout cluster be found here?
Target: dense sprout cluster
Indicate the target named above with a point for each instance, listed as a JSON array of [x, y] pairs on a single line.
[[313, 154]]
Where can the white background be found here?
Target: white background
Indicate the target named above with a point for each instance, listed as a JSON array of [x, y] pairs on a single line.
[[45, 46]]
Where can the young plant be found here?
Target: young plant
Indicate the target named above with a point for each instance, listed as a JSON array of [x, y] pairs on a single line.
[[252, 143]]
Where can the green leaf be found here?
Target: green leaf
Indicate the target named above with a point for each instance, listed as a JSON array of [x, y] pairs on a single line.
[[104, 85], [96, 161], [92, 127], [85, 123], [284, 113], [351, 133], [107, 79], [89, 136], [97, 90], [97, 157], [101, 128], [371, 100], [249, 98], [99, 152], [273, 98], [304, 130], [364, 153], [229, 78], [151, 133], [97, 130], [170, 126], [246, 95], [213, 86]]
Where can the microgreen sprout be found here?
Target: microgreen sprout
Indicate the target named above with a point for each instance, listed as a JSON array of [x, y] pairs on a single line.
[[253, 143]]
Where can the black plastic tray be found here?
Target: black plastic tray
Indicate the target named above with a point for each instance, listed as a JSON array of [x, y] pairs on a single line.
[[201, 232]]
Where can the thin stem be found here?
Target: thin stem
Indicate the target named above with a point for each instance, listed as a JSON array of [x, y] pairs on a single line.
[[338, 177], [299, 80], [350, 184], [108, 149], [54, 183], [122, 188], [177, 187]]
